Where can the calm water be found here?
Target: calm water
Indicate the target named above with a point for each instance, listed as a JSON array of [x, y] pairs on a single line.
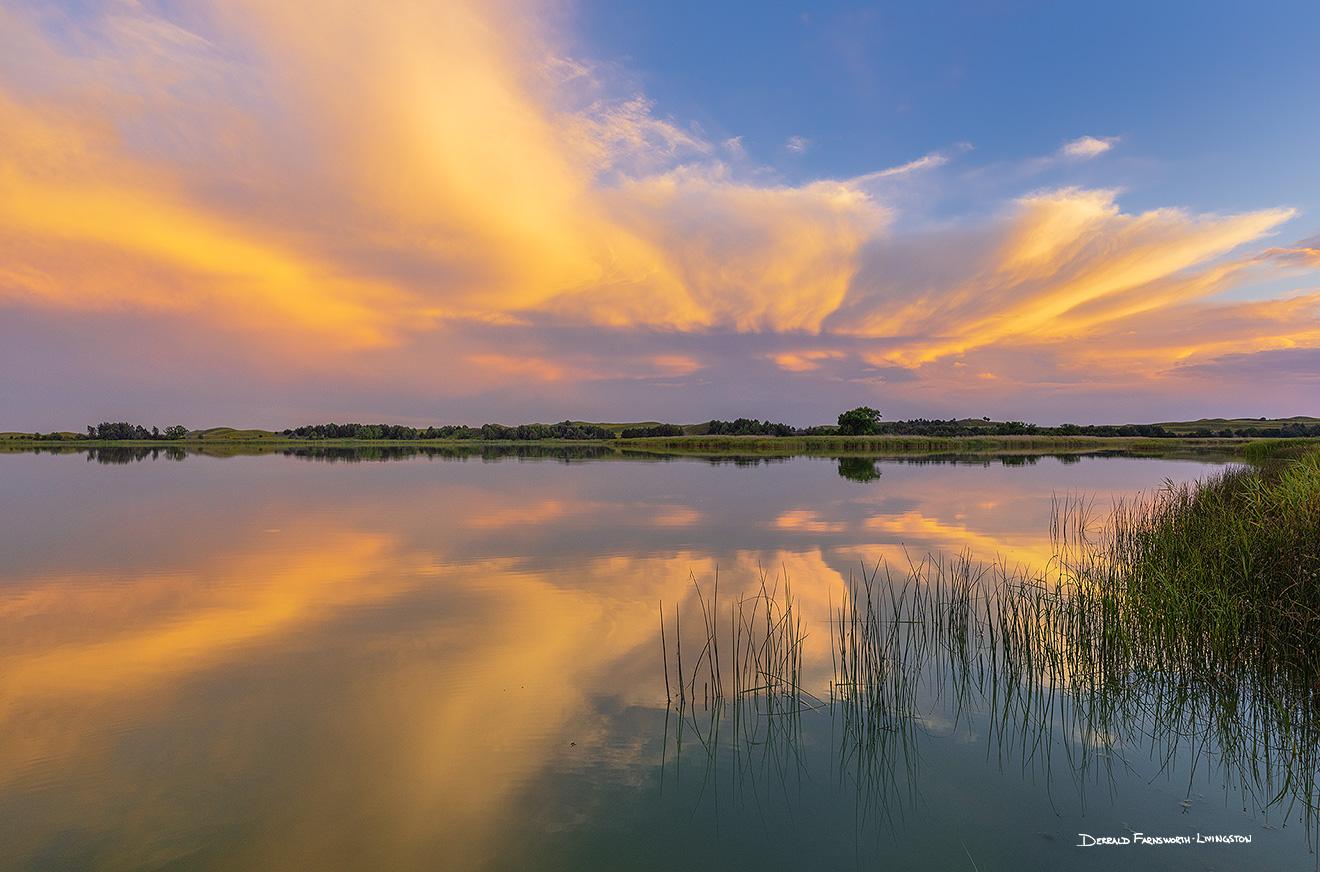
[[276, 663]]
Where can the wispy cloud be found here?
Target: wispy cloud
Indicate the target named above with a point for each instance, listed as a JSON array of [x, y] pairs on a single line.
[[921, 163], [926, 162], [1086, 147], [1304, 256], [626, 135], [804, 361]]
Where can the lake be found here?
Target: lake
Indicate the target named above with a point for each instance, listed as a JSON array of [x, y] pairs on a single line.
[[282, 662]]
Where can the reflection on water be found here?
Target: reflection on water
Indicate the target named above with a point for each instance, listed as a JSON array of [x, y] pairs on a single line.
[[126, 454], [861, 469], [1072, 689], [262, 662]]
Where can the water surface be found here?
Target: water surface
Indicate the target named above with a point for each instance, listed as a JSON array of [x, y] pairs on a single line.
[[424, 663]]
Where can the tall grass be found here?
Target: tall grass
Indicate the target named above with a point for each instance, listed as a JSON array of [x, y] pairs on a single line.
[[767, 637], [1185, 627], [763, 661], [1230, 565], [1194, 617]]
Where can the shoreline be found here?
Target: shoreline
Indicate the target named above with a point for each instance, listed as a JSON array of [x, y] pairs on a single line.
[[683, 446]]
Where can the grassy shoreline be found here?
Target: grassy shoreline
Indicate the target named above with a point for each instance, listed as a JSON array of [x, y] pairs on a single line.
[[1186, 624], [879, 446], [227, 441], [1229, 565]]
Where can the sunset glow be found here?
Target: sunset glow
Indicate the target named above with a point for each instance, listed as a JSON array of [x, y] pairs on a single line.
[[273, 213]]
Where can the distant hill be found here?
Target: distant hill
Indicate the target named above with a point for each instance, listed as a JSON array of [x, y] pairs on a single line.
[[233, 435], [1216, 424]]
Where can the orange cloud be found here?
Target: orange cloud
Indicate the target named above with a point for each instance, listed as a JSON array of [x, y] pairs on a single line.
[[1197, 332], [498, 177], [803, 361], [712, 252], [511, 367], [449, 141], [669, 365], [83, 226], [1304, 257], [1070, 265]]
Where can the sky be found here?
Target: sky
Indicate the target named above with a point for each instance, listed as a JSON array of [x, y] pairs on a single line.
[[268, 213]]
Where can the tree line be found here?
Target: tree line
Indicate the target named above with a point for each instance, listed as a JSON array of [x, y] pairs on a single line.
[[749, 427], [865, 421], [953, 427], [1295, 430], [649, 432], [862, 421], [124, 430], [486, 432]]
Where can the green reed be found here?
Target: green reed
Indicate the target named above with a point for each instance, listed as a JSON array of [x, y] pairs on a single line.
[[1195, 617], [761, 659], [1230, 565], [1184, 628]]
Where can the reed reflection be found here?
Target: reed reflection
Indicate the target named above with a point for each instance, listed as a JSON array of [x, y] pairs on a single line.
[[1079, 687]]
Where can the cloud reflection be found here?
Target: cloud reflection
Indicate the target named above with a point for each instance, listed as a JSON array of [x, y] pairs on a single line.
[[419, 642]]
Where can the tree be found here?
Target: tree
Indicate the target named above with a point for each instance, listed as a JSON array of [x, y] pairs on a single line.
[[862, 421]]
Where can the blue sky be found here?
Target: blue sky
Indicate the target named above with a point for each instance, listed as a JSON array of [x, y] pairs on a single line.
[[1214, 103]]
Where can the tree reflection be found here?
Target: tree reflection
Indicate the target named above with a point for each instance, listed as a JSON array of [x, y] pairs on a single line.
[[859, 468]]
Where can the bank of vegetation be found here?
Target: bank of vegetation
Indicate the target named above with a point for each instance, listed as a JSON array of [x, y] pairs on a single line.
[[1195, 613], [565, 430], [859, 429], [1229, 566]]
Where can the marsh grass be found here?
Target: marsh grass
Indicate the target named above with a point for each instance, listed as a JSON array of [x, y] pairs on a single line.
[[1181, 633], [767, 638], [1229, 567], [1193, 617], [895, 638], [879, 446], [753, 679]]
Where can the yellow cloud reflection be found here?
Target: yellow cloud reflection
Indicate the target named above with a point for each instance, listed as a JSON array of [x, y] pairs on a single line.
[[414, 683], [926, 534], [116, 635], [806, 519]]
